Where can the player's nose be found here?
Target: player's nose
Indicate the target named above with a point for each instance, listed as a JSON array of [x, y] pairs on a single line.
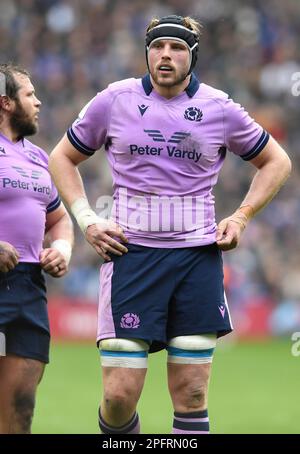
[[166, 51]]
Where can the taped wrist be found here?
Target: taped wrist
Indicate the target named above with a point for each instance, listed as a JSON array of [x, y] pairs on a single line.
[[242, 215], [248, 210], [83, 214], [64, 247]]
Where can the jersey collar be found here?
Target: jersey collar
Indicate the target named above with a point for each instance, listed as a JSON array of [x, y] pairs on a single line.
[[191, 89]]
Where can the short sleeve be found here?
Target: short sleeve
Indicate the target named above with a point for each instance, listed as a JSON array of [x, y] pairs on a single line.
[[243, 136], [55, 199], [88, 133]]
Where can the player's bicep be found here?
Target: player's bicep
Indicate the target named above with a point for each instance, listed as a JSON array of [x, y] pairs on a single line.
[[271, 153], [58, 215], [65, 149]]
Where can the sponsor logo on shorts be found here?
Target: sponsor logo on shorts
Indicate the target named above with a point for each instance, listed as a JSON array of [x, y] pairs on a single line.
[[222, 310], [130, 320]]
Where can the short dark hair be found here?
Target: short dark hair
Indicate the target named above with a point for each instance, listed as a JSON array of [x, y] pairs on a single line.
[[8, 70]]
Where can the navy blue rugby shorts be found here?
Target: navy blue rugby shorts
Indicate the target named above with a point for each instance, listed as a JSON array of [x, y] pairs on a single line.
[[24, 320], [155, 294]]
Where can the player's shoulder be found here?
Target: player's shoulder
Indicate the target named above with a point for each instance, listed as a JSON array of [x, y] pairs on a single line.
[[124, 85], [207, 91], [104, 98]]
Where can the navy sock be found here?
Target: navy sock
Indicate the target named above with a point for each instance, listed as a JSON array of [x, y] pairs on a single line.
[[196, 422], [131, 427]]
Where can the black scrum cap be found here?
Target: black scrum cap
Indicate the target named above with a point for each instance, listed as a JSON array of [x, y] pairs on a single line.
[[172, 27]]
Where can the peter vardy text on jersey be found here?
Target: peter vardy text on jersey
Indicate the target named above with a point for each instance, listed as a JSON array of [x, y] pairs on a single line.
[[173, 152], [18, 184]]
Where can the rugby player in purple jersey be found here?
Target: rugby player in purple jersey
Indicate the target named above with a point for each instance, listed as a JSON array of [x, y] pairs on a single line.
[[36, 235], [161, 286]]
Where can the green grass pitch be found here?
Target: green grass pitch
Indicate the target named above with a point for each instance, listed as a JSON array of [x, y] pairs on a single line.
[[254, 389]]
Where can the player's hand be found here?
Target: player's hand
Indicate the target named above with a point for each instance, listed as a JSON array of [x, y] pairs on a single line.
[[228, 234], [230, 230], [53, 262], [101, 237], [9, 257]]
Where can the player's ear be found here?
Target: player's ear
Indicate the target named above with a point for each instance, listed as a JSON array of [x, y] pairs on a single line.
[[5, 103]]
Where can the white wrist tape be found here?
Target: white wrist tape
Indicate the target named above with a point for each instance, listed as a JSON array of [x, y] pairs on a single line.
[[83, 214], [64, 247]]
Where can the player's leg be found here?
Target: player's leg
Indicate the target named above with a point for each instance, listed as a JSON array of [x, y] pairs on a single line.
[[124, 367], [19, 378], [189, 366], [24, 321], [198, 306], [135, 290]]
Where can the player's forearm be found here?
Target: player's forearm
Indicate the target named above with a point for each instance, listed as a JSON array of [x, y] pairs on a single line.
[[66, 177], [271, 174], [266, 183], [61, 230]]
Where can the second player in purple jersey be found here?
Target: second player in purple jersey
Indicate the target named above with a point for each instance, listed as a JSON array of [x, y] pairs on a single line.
[[36, 235], [161, 286], [27, 193]]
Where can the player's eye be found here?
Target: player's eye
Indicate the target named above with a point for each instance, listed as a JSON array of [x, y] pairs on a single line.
[[178, 47]]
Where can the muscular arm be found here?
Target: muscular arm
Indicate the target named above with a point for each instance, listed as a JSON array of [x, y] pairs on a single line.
[[63, 163], [273, 168], [59, 226], [59, 238]]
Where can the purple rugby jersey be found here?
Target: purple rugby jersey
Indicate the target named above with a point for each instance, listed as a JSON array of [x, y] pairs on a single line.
[[26, 195], [165, 156]]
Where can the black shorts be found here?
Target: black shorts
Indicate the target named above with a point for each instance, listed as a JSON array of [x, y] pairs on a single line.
[[155, 294], [24, 320]]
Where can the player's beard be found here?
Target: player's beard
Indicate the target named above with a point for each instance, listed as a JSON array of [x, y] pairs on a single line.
[[21, 123], [168, 82]]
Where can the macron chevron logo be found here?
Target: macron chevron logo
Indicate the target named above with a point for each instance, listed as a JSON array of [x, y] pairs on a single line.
[[2, 150], [142, 109], [222, 310], [157, 136]]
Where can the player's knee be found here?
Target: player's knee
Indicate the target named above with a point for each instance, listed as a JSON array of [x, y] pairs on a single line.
[[118, 402], [189, 394], [194, 396], [189, 391], [24, 402], [129, 353], [195, 349]]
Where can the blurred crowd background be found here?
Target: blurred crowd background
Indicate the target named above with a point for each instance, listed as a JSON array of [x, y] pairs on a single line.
[[249, 49]]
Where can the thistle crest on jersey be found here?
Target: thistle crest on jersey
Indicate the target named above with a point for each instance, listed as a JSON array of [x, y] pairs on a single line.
[[193, 114]]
